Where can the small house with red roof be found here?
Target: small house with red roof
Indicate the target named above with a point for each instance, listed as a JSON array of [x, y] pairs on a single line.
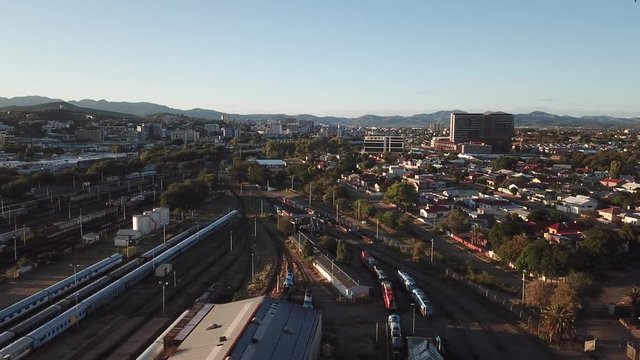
[[611, 183], [563, 231], [612, 214]]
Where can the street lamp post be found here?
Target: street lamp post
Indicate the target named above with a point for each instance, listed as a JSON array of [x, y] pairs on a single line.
[[413, 326], [164, 285], [75, 289], [377, 229], [231, 241]]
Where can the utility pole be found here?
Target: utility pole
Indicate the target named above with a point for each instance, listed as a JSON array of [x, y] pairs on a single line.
[[255, 227], [81, 233], [164, 233], [69, 209], [262, 207], [309, 194], [377, 229], [523, 285], [252, 267], [231, 241], [337, 214], [431, 250]]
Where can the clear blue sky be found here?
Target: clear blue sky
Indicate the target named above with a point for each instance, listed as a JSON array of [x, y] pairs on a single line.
[[329, 57]]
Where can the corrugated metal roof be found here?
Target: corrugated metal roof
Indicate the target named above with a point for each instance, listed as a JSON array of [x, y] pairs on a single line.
[[284, 331], [212, 342]]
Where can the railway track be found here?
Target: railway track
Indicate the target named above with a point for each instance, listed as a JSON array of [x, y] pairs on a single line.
[[471, 325]]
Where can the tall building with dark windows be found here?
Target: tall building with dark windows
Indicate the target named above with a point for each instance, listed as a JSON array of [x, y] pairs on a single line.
[[378, 144], [493, 128]]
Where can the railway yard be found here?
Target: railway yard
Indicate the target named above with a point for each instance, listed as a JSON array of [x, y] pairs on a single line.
[[243, 254]]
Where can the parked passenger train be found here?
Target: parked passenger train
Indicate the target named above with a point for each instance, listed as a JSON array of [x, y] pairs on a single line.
[[27, 305], [407, 281], [38, 319], [388, 296], [422, 302], [396, 333], [45, 333]]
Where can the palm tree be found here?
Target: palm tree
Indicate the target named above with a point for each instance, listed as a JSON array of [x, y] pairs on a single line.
[[557, 320], [633, 293]]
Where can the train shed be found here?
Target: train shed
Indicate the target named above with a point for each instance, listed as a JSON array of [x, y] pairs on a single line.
[[344, 283], [256, 328]]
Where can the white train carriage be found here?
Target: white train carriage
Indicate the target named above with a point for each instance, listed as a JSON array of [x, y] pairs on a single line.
[[18, 350], [56, 290], [60, 323]]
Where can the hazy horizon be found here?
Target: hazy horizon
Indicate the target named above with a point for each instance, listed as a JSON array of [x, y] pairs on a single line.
[[333, 58]]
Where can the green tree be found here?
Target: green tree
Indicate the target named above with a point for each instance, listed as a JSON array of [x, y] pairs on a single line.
[[401, 194], [307, 249], [565, 295], [503, 231], [557, 321], [328, 243], [362, 209], [538, 293], [456, 221], [342, 253], [599, 242], [511, 250], [505, 162], [614, 169], [633, 293], [537, 215], [185, 195], [389, 219], [418, 250], [629, 233], [258, 174]]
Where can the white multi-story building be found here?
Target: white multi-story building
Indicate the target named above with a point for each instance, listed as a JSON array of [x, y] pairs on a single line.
[[577, 204]]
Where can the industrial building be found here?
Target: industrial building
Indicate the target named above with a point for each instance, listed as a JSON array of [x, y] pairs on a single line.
[[493, 128], [378, 144], [259, 328]]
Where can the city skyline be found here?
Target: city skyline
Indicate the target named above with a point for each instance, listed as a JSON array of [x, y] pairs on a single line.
[[574, 57]]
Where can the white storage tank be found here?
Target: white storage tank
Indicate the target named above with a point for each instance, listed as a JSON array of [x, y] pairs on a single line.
[[155, 219], [165, 215], [142, 223]]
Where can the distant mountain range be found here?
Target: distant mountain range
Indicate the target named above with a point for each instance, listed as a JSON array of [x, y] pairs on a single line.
[[142, 109]]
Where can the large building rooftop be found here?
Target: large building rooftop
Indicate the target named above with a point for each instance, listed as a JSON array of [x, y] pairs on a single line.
[[256, 328]]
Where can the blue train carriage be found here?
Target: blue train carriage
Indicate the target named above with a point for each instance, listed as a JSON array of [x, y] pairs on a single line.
[[422, 302], [56, 290], [407, 281], [18, 350]]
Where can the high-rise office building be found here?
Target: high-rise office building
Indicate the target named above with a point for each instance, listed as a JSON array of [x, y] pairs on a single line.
[[494, 128]]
